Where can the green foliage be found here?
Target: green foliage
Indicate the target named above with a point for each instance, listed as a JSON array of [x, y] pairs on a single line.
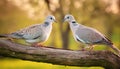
[[19, 64]]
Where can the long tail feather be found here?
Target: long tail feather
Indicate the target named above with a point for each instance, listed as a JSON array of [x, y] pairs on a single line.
[[115, 48], [4, 35], [9, 36]]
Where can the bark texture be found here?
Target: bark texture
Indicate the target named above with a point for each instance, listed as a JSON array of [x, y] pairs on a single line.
[[105, 59]]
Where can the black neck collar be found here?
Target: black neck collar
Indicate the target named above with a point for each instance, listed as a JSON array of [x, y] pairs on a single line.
[[46, 23], [73, 21]]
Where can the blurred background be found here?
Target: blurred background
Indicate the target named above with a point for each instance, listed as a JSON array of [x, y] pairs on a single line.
[[103, 15]]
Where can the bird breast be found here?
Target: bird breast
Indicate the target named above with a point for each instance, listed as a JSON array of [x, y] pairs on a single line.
[[46, 34]]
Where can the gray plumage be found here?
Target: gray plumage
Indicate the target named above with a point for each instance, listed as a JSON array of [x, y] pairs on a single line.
[[35, 33], [87, 35]]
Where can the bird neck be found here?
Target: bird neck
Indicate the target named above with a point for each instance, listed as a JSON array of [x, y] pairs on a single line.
[[73, 23], [46, 24]]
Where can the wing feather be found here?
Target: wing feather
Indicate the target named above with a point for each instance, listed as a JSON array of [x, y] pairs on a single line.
[[89, 35], [31, 32]]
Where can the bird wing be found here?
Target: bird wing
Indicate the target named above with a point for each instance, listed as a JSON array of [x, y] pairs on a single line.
[[88, 35], [31, 32]]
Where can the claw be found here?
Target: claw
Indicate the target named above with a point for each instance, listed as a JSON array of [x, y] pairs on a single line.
[[83, 49], [37, 45]]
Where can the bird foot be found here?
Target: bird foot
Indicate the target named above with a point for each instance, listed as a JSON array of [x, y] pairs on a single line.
[[37, 45], [83, 49], [10, 39]]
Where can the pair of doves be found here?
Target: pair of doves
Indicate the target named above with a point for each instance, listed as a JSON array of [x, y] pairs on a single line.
[[82, 34]]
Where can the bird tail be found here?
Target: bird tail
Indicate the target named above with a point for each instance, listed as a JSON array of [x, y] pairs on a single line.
[[9, 36], [115, 49], [4, 35]]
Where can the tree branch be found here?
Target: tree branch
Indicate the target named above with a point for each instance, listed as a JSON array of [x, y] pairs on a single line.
[[104, 59]]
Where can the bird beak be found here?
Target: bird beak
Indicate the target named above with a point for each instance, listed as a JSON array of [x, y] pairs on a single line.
[[55, 21]]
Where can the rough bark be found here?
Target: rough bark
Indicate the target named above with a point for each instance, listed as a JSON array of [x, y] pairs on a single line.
[[104, 59]]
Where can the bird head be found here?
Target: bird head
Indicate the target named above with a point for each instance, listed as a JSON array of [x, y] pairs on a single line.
[[68, 18], [50, 18]]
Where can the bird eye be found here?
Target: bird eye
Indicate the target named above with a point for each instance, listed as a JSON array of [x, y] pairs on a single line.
[[51, 18], [67, 17]]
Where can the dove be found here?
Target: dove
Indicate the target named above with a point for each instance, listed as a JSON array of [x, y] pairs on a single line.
[[87, 35], [34, 34]]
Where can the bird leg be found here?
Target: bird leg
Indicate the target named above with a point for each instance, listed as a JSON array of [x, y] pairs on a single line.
[[83, 48], [10, 39], [37, 45], [91, 47]]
